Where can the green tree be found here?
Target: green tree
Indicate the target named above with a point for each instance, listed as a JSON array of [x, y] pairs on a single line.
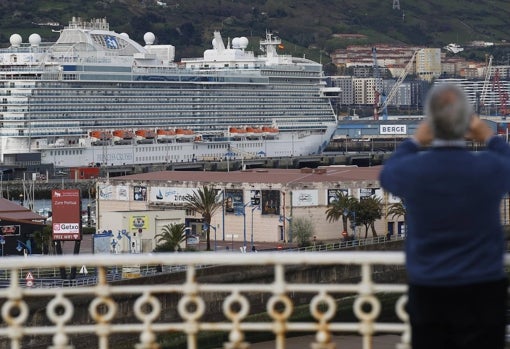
[[303, 230], [44, 240], [342, 207], [204, 201], [170, 238], [368, 210], [396, 210]]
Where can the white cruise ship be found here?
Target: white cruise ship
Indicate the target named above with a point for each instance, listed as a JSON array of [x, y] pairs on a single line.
[[97, 97]]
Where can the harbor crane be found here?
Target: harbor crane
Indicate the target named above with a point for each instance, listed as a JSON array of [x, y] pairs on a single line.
[[376, 75], [504, 109], [485, 87], [394, 89], [497, 90]]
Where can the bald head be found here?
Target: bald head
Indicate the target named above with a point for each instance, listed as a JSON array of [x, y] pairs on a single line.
[[448, 112]]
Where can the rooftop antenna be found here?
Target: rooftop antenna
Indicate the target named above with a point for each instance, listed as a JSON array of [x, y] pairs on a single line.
[[396, 4]]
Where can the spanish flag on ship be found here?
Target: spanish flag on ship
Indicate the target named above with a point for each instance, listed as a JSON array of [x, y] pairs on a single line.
[[281, 46]]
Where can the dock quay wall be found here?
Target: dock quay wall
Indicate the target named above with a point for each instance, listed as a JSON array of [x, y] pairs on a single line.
[[12, 189]]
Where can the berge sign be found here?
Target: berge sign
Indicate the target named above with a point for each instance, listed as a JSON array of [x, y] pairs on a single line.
[[392, 129]]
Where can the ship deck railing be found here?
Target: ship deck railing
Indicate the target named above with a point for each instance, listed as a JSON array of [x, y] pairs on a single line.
[[237, 298]]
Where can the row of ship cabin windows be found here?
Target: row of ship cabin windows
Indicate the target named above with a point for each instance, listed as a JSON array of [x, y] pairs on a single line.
[[113, 118], [159, 148], [289, 104]]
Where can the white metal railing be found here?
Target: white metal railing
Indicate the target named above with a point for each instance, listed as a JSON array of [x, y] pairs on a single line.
[[147, 318]]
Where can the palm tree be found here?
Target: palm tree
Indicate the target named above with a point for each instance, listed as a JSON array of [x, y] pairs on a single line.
[[170, 237], [341, 207], [367, 212], [44, 240], [396, 210], [205, 201]]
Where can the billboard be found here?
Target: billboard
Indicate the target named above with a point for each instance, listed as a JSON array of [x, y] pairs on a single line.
[[333, 194], [255, 197], [270, 202], [66, 219], [122, 192], [9, 230], [138, 222], [111, 192], [139, 193], [368, 192], [233, 198], [172, 195], [105, 192], [305, 198]]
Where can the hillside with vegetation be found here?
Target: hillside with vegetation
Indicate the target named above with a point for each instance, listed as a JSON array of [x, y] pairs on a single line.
[[313, 28]]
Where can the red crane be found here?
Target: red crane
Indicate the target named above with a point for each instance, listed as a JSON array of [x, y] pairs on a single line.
[[504, 109]]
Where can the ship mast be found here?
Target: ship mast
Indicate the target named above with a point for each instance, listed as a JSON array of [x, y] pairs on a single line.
[[269, 45]]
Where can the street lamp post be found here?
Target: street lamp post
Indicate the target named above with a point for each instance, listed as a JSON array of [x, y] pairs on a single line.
[[228, 155], [242, 210], [253, 209], [2, 242]]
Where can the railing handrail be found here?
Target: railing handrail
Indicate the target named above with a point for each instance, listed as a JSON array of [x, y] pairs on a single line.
[[209, 302], [193, 258]]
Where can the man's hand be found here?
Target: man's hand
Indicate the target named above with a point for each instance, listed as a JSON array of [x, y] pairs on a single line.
[[479, 130], [423, 134]]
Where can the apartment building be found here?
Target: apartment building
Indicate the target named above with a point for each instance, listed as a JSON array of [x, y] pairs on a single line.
[[428, 63]]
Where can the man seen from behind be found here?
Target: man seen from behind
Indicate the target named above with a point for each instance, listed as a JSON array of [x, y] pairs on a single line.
[[454, 238]]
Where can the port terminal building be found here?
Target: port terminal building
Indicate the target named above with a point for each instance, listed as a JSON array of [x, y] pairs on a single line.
[[382, 136], [258, 205]]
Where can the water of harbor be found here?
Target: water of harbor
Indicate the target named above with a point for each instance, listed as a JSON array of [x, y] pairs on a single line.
[[43, 206]]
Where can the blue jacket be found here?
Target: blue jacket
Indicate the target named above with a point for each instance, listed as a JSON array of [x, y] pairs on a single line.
[[453, 198]]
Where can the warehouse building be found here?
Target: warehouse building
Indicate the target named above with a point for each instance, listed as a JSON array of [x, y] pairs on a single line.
[[258, 204]]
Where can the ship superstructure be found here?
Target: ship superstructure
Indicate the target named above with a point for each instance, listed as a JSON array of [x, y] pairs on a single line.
[[98, 97]]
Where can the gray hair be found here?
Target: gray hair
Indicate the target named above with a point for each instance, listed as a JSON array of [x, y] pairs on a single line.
[[448, 112]]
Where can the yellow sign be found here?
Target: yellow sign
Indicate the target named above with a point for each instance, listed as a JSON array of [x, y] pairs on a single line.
[[138, 222], [131, 272]]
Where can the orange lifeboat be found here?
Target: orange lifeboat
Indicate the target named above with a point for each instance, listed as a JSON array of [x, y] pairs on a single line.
[[100, 135], [270, 131], [182, 133], [120, 135], [237, 131], [145, 134], [254, 131], [164, 136]]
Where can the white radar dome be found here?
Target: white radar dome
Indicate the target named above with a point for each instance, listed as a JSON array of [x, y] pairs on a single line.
[[214, 43], [243, 42], [235, 43], [15, 40], [34, 39], [149, 38], [125, 35]]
